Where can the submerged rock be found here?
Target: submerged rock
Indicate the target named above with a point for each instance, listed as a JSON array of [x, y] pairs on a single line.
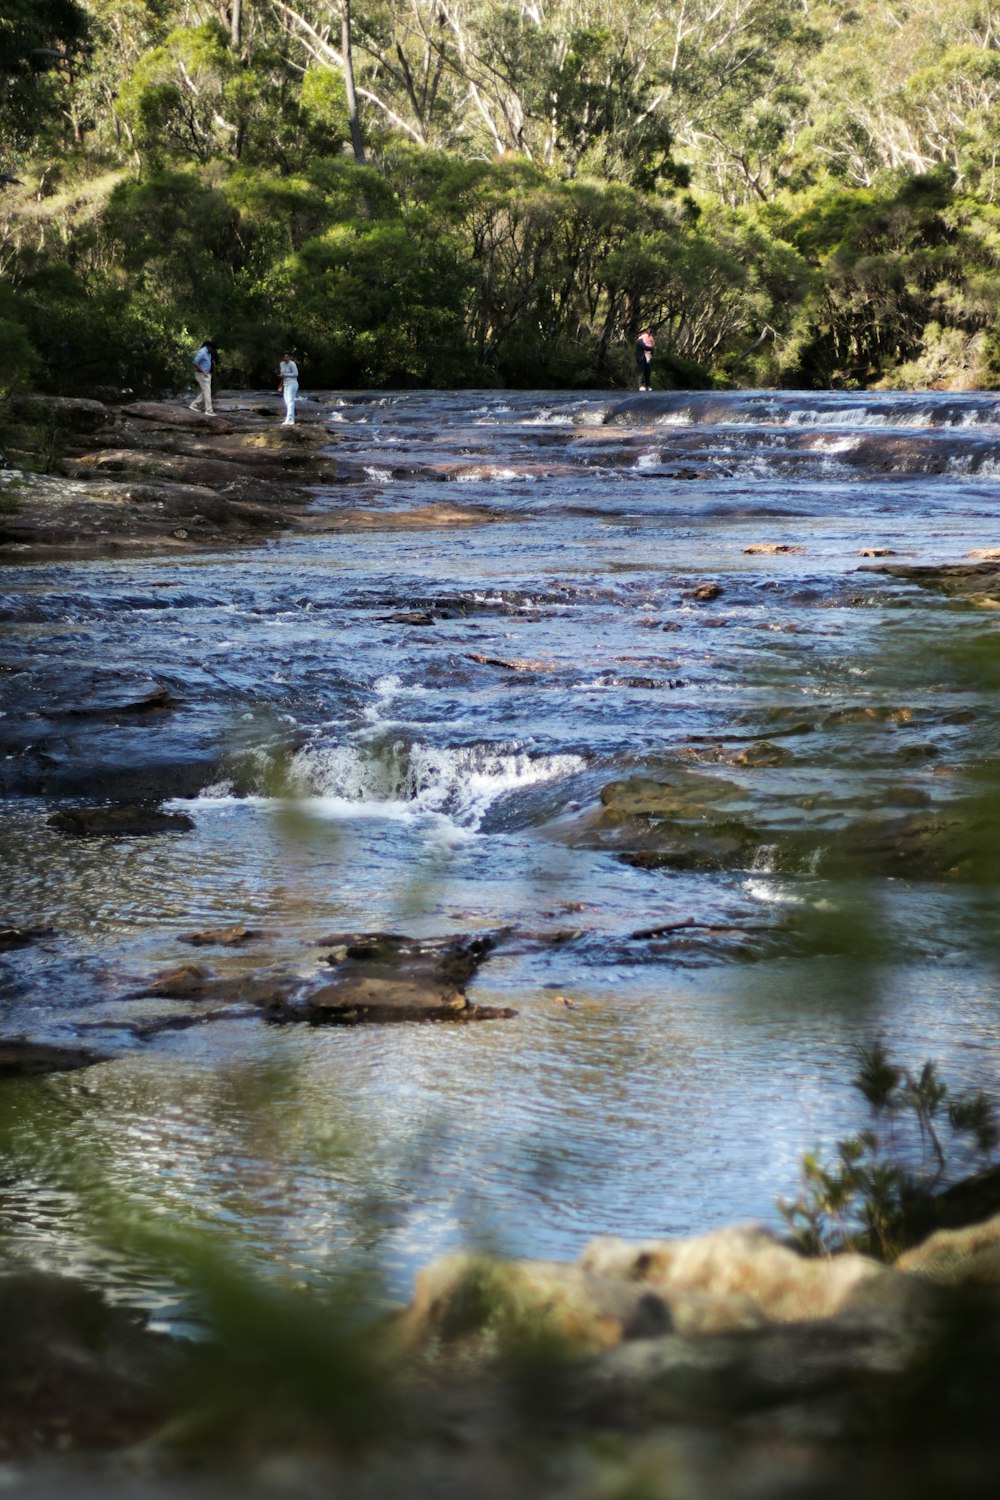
[[118, 822], [21, 937]]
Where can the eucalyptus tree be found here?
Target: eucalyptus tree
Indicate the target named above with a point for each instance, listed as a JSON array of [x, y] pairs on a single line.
[[41, 42]]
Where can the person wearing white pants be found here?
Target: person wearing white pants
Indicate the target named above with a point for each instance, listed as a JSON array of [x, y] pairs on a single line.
[[288, 370]]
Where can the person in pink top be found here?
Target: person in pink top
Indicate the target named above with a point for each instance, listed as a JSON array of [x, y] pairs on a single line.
[[644, 345]]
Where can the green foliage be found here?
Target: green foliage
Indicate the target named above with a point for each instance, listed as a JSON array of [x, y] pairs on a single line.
[[863, 1200]]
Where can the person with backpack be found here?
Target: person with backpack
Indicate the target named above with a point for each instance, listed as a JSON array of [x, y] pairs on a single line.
[[644, 358], [204, 365]]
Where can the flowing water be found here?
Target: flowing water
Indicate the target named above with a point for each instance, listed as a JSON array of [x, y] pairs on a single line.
[[408, 727]]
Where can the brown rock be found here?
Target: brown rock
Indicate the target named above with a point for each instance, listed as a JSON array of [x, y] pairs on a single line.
[[382, 977], [226, 937]]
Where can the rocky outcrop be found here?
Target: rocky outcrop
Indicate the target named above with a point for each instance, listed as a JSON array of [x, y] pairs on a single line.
[[733, 1281], [382, 977]]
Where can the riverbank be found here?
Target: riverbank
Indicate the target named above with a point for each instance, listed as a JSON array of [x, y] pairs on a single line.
[[154, 477], [725, 1367]]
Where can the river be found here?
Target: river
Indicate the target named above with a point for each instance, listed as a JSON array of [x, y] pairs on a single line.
[[357, 771]]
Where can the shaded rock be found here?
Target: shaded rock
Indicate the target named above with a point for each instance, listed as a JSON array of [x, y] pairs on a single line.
[[74, 1372], [92, 822], [226, 937], [77, 413], [958, 1257], [704, 592], [20, 1058], [388, 977]]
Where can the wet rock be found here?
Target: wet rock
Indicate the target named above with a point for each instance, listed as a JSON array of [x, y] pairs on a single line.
[[93, 822], [511, 663], [74, 1372], [20, 1058], [704, 592], [388, 977], [183, 982], [158, 700], [194, 983], [226, 937], [976, 582], [762, 753], [769, 549], [688, 794], [21, 937]]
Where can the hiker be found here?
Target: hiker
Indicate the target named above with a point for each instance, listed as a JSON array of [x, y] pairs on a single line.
[[644, 358], [288, 376], [204, 364]]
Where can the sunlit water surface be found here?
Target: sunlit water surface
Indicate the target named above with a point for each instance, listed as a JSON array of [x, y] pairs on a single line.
[[642, 1089]]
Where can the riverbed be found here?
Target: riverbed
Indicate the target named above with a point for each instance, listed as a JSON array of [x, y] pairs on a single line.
[[410, 729]]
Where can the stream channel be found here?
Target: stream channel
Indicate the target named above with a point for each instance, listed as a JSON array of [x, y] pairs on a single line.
[[408, 729]]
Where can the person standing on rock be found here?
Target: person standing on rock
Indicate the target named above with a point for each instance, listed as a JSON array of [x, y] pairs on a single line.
[[204, 364], [288, 376], [644, 346]]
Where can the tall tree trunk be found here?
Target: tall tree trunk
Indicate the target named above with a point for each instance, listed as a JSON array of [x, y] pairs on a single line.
[[236, 24], [352, 98]]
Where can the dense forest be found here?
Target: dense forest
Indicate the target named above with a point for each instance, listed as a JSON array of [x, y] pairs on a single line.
[[455, 192]]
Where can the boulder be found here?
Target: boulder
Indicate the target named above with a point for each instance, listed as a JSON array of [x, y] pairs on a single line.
[[118, 822]]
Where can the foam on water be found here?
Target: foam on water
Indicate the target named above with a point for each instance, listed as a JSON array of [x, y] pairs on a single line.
[[402, 780]]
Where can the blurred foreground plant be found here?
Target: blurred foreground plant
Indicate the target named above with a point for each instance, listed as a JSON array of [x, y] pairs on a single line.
[[866, 1198]]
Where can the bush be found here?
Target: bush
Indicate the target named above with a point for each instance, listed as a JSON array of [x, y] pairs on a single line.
[[885, 1175]]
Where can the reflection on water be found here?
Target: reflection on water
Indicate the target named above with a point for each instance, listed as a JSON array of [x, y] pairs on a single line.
[[410, 731]]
